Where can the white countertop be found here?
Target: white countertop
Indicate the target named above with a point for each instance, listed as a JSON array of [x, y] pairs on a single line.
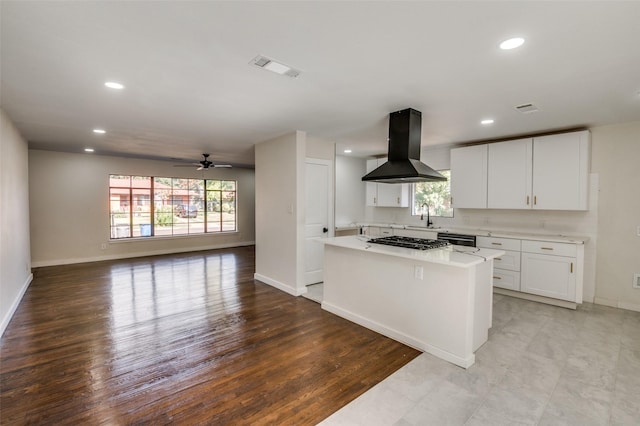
[[482, 232], [459, 256]]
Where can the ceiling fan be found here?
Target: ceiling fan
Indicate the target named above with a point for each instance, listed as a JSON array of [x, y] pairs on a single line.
[[203, 164]]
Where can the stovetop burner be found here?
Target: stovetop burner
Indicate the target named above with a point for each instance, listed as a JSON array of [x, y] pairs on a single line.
[[410, 242]]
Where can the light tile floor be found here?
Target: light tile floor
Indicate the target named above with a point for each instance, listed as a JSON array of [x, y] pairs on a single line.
[[542, 365]]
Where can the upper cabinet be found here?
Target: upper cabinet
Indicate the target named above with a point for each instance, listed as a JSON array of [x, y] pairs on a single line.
[[561, 171], [469, 177], [509, 176], [544, 173], [385, 194]]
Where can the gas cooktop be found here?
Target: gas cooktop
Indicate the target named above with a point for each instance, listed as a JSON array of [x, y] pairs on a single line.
[[410, 242]]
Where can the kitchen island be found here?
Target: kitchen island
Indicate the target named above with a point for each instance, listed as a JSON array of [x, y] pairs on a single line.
[[438, 301]]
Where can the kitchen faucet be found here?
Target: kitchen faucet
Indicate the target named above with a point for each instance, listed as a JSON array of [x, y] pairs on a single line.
[[429, 223]]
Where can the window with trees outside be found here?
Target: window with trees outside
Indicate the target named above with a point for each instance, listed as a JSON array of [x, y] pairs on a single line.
[[145, 206], [436, 196]]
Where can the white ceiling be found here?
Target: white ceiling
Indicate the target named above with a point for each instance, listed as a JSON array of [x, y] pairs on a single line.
[[190, 87]]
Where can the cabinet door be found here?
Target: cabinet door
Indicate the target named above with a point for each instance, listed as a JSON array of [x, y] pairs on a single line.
[[560, 171], [550, 276], [371, 188], [509, 175], [393, 195], [385, 194], [469, 177]]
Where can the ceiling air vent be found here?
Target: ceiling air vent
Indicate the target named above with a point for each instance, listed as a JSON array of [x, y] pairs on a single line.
[[275, 66], [526, 108]]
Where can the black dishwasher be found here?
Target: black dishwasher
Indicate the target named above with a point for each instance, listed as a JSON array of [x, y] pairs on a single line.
[[458, 239]]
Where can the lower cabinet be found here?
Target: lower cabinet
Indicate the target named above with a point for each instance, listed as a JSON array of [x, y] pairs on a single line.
[[506, 268], [377, 231], [549, 275], [543, 268], [503, 278]]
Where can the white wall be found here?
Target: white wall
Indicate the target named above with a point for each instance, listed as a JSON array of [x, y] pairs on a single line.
[[15, 259], [279, 212], [69, 196], [616, 159], [350, 190], [320, 148]]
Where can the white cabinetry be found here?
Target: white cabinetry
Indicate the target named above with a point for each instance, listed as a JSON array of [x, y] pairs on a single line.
[[385, 194], [469, 177], [541, 268], [509, 175], [377, 231], [549, 269], [561, 171], [543, 173], [506, 268]]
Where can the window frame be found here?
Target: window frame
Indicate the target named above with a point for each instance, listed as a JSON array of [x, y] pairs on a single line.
[[165, 198], [417, 212]]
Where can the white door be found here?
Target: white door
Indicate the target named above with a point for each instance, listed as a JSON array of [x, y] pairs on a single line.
[[318, 217]]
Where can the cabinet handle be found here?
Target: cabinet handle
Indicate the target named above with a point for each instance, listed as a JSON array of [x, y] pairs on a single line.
[[375, 201], [497, 244], [571, 268], [498, 258], [398, 200], [546, 248], [452, 201], [527, 200], [535, 200], [497, 278]]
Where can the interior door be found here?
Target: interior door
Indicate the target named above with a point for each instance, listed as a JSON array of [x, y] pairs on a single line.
[[318, 217]]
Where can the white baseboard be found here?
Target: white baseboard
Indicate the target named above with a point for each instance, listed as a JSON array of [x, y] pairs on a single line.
[[39, 264], [399, 336], [279, 285], [15, 304], [535, 298], [617, 304]]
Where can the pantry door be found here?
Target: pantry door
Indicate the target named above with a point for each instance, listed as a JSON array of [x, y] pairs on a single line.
[[318, 216]]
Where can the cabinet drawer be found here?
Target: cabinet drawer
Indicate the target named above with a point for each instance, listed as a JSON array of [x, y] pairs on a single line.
[[510, 260], [498, 243], [544, 247], [506, 279]]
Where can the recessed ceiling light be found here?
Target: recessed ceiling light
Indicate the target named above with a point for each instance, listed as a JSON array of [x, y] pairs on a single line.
[[487, 121], [277, 67], [88, 150], [114, 85], [99, 131], [347, 151], [512, 43], [274, 66]]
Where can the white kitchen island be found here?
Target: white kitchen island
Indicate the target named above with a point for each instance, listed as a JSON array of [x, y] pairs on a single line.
[[438, 301]]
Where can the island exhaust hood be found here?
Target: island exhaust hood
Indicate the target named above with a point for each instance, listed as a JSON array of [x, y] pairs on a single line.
[[403, 165]]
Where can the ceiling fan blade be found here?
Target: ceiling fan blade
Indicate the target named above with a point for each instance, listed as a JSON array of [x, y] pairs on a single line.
[[200, 168], [186, 165], [222, 165]]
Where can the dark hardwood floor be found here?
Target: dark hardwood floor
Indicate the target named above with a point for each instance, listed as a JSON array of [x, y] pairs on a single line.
[[183, 339]]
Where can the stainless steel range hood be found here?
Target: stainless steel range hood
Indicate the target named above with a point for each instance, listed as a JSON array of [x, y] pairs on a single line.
[[403, 165]]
